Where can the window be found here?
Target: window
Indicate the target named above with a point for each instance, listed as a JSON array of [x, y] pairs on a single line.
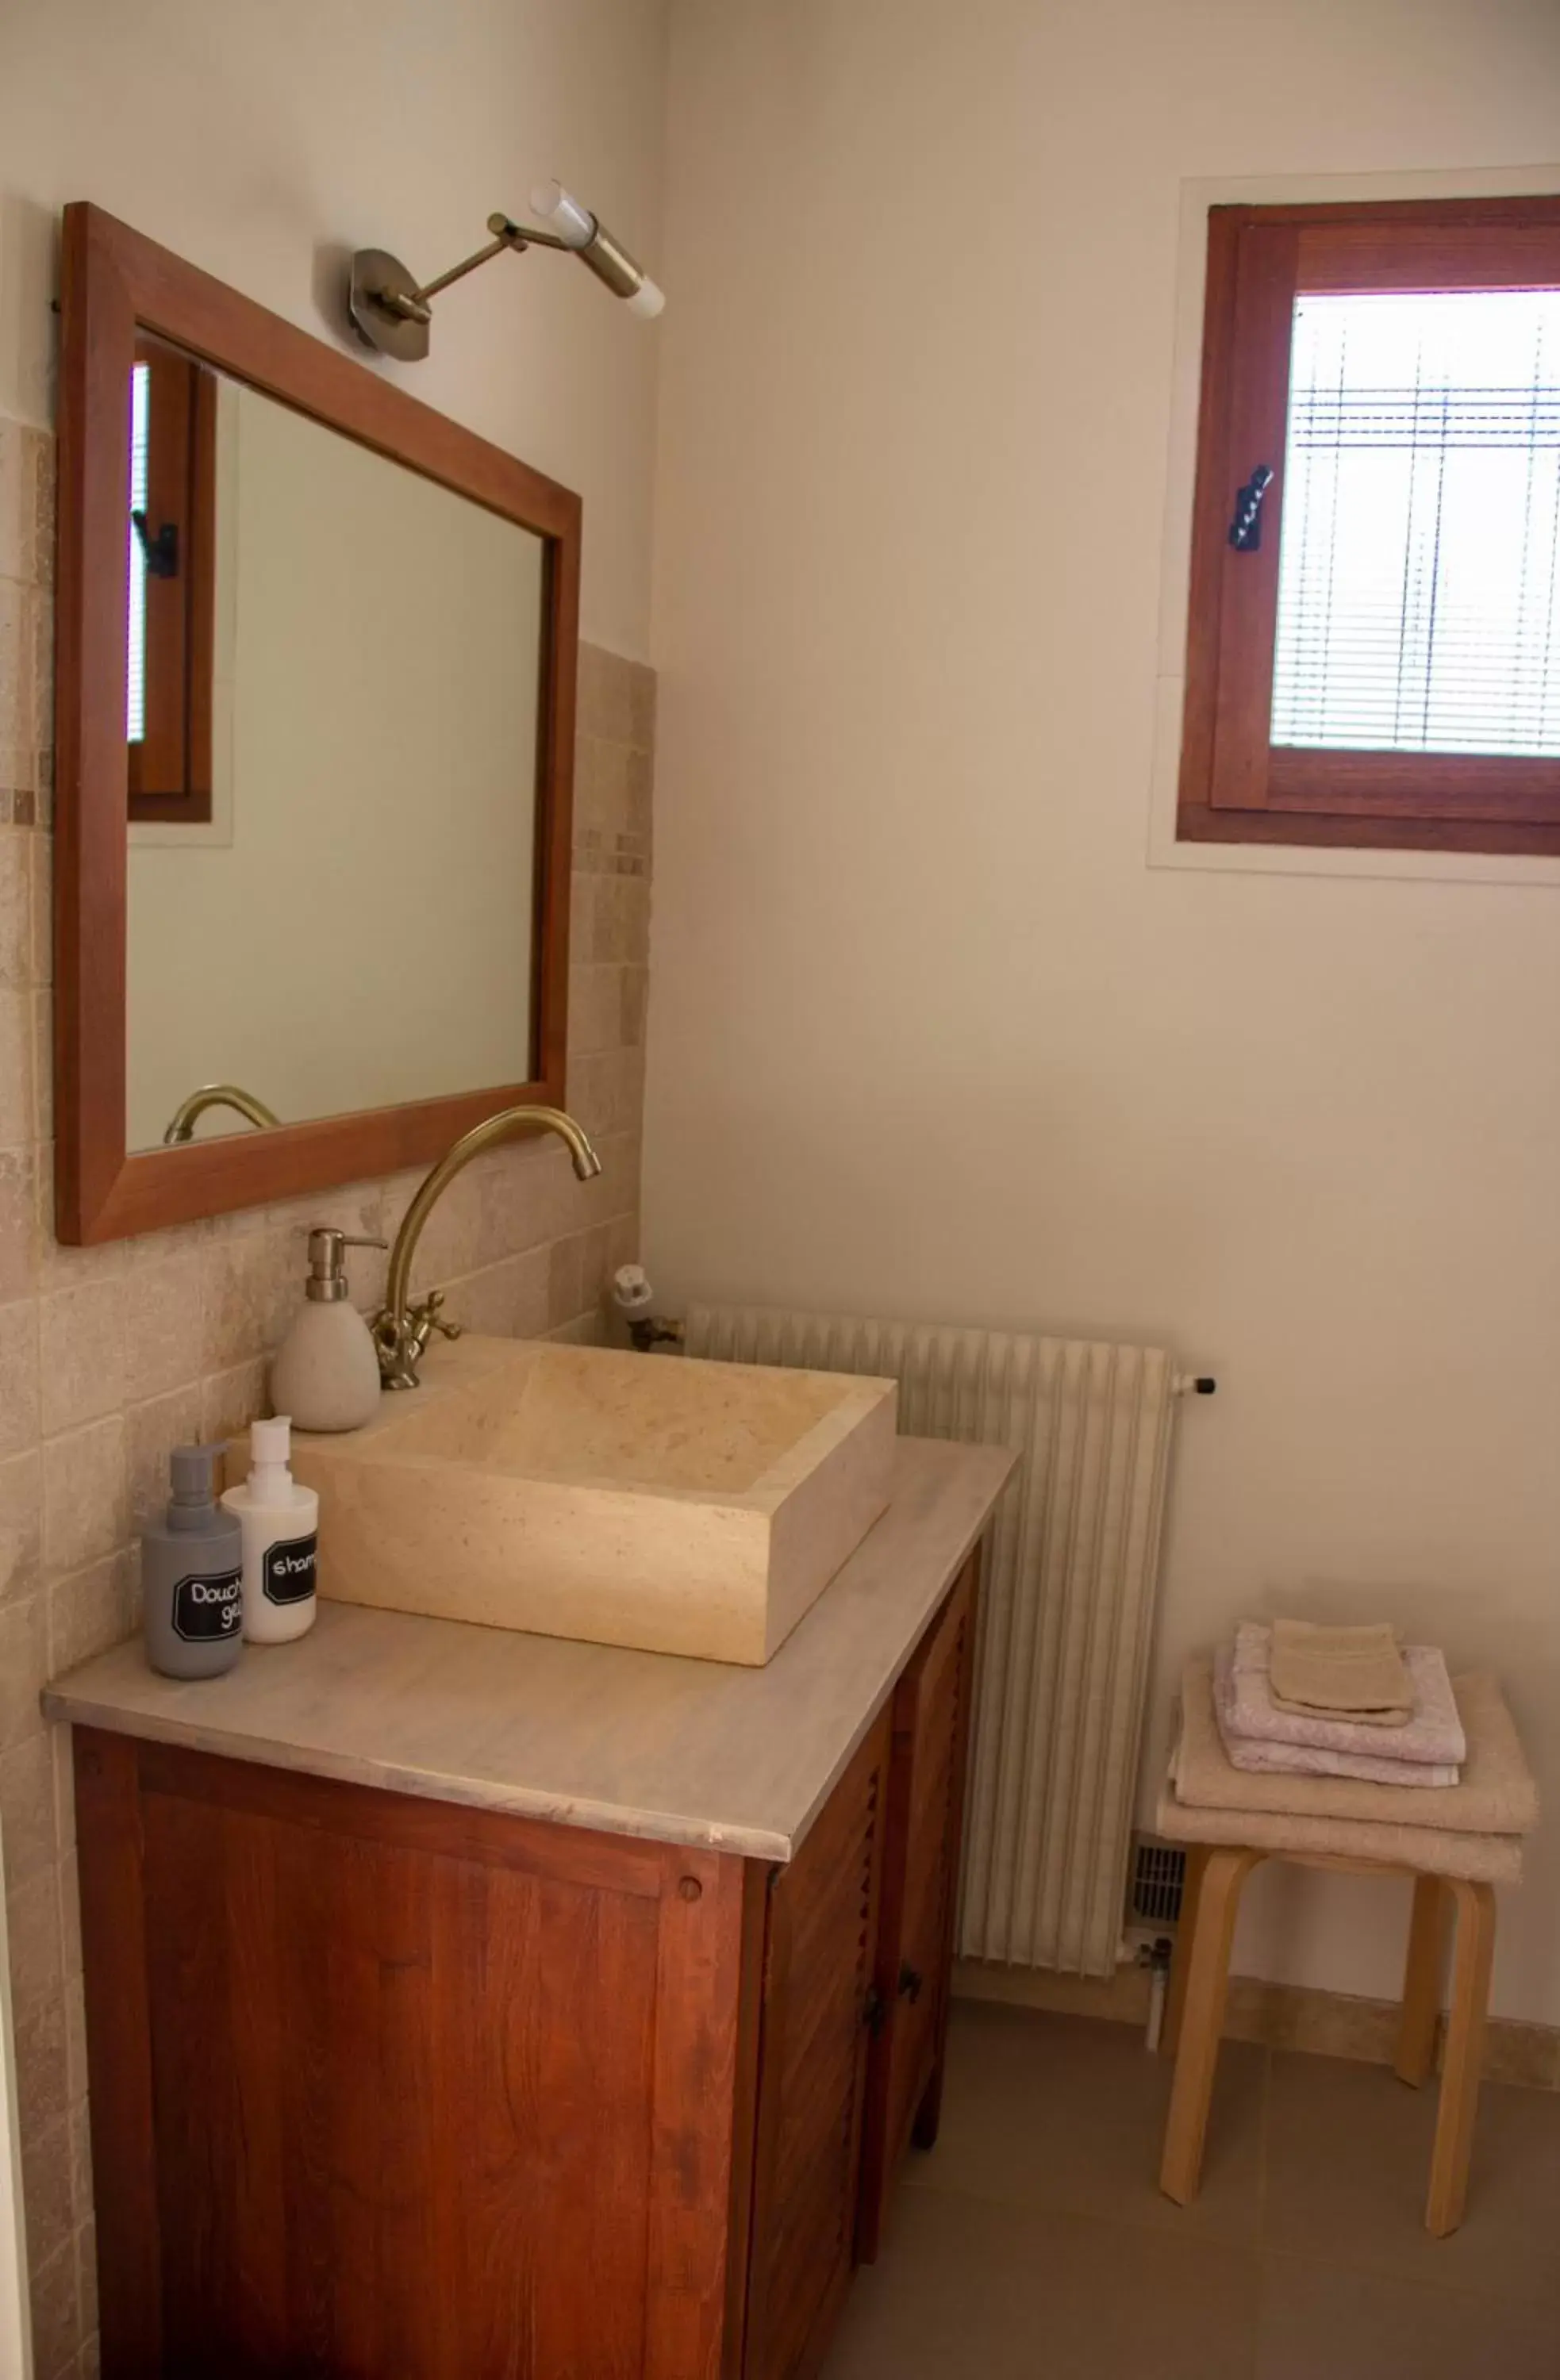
[[169, 539], [1373, 647]]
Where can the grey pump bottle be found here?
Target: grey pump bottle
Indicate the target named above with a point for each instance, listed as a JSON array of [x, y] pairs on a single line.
[[191, 1570]]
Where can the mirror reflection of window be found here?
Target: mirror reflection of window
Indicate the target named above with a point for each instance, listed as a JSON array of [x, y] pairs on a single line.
[[170, 533]]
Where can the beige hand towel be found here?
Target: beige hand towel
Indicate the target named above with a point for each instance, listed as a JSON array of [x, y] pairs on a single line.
[[1496, 1797], [1348, 1672]]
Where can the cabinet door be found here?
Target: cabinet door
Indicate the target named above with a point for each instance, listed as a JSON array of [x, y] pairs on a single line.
[[817, 2005], [385, 2085], [921, 1888]]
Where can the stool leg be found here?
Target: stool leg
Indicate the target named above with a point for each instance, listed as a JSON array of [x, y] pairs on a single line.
[[1463, 2055], [1422, 1984], [1175, 2000], [1201, 2019]]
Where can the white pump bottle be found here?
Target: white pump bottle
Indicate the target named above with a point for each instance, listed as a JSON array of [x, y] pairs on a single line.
[[280, 1521]]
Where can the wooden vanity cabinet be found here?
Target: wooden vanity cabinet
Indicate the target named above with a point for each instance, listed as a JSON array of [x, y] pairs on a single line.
[[930, 1738], [389, 2088]]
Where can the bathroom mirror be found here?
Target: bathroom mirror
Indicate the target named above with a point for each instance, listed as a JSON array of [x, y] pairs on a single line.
[[316, 651]]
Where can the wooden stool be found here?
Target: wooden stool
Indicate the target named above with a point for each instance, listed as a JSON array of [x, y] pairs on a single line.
[[1199, 1976]]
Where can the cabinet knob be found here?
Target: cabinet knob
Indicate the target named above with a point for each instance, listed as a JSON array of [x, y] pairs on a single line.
[[690, 1888], [911, 1982]]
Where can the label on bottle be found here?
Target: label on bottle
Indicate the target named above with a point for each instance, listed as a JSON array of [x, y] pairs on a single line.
[[289, 1570], [207, 1605]]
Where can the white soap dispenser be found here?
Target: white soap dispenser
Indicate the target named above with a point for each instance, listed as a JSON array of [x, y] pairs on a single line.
[[280, 1522], [325, 1372]]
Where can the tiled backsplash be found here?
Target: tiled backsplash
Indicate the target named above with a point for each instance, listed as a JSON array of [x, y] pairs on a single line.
[[110, 1357]]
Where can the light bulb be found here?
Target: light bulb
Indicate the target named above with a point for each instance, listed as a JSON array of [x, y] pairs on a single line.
[[575, 225], [647, 300]]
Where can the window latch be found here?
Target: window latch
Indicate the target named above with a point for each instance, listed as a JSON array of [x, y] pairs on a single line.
[[162, 551], [1246, 528]]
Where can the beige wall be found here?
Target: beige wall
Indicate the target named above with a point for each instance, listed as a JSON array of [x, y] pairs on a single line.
[[929, 1035], [266, 143], [250, 141]]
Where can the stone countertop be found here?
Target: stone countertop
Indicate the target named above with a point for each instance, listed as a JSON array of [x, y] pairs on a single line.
[[588, 1735]]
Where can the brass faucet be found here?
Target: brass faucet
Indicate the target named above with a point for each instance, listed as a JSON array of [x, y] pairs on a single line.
[[401, 1330], [216, 1095]]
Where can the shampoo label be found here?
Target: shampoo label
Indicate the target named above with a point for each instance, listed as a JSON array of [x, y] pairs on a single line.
[[207, 1605], [289, 1570]]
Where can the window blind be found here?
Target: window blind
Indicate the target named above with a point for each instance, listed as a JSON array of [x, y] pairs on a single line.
[[1419, 600]]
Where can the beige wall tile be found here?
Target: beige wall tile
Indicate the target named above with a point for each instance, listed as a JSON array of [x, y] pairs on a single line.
[[23, 1669], [608, 692], [153, 1430], [248, 1297], [164, 1323], [86, 2275], [81, 1353], [563, 1280], [42, 873], [594, 1008], [69, 1906], [231, 1400], [19, 1407], [19, 1222], [15, 905], [17, 1120], [43, 1064], [47, 2186], [42, 2067], [60, 1267], [21, 1525], [27, 1809], [88, 1612], [57, 2320], [85, 1495], [32, 1919], [60, 1745], [635, 1000]]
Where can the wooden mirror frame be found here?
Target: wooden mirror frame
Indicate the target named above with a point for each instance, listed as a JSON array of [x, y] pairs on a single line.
[[114, 283]]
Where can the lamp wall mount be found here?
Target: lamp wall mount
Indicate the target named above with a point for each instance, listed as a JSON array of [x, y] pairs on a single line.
[[392, 310]]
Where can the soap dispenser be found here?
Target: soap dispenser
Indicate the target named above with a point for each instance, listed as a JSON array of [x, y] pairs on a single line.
[[280, 1521], [191, 1562], [326, 1374]]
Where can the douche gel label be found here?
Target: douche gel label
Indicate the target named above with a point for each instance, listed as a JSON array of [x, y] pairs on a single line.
[[207, 1605]]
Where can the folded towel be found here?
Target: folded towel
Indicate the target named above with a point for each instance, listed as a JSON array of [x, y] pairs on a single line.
[[1434, 1732], [1432, 1850], [1497, 1796], [1341, 1672], [1308, 1759]]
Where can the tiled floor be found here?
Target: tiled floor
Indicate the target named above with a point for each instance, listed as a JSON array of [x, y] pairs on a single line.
[[1033, 2245]]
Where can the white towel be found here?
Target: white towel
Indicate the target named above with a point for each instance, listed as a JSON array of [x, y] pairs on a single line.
[[1261, 1756], [1434, 1733]]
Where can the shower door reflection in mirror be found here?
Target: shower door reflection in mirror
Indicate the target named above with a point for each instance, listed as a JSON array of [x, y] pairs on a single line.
[[334, 672]]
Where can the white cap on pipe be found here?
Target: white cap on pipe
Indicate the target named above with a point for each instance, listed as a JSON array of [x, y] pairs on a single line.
[[647, 300]]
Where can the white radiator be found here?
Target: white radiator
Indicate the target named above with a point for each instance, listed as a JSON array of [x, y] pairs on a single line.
[[1066, 1604]]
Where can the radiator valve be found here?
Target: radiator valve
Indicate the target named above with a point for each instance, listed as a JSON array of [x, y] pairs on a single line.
[[632, 1295]]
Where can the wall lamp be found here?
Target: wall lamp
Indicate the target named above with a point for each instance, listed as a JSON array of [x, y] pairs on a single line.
[[391, 310]]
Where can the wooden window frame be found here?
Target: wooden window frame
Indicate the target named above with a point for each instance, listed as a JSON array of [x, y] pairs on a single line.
[[170, 770], [1234, 785]]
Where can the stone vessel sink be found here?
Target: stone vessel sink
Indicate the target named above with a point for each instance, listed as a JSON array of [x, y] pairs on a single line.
[[685, 1507]]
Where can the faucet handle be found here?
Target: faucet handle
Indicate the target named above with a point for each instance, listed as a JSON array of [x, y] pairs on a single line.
[[432, 1306], [422, 1320]]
